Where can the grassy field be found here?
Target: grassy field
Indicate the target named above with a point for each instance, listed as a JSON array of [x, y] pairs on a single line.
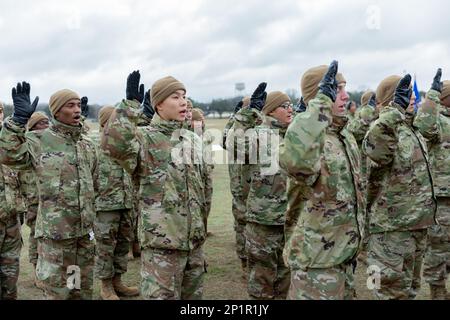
[[223, 279]]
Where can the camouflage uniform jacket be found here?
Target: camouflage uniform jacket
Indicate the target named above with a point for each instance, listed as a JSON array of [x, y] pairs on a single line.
[[240, 140], [65, 163], [170, 190], [323, 159], [115, 188], [267, 200], [405, 199], [360, 123], [433, 121], [9, 193], [28, 186]]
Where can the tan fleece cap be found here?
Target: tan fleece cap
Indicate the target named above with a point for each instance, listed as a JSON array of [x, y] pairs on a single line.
[[163, 88], [445, 89], [35, 118], [386, 90], [366, 97], [274, 100], [197, 115], [60, 98], [311, 79], [104, 114]]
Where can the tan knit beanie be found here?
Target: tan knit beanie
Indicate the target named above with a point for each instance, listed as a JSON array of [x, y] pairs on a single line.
[[386, 90], [163, 88], [60, 98], [366, 97], [104, 114], [274, 100], [35, 118], [311, 79], [445, 89], [197, 115]]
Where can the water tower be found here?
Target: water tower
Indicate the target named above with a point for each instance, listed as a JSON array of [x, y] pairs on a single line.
[[239, 88]]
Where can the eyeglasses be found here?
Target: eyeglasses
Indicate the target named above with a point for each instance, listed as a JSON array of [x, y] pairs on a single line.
[[287, 105]]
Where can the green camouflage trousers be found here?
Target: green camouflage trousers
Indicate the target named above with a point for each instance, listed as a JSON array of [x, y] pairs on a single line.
[[398, 255], [172, 274], [65, 268], [238, 208], [336, 283], [10, 245], [113, 235], [32, 242], [268, 277], [437, 255]]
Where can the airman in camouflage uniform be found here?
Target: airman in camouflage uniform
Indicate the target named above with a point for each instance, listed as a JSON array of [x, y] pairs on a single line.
[[268, 277], [433, 121], [64, 161], [237, 182], [198, 126], [28, 186], [113, 222], [171, 229], [10, 237], [359, 126], [325, 219], [404, 206]]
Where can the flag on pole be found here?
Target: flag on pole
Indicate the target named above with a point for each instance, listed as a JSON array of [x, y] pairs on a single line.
[[417, 95]]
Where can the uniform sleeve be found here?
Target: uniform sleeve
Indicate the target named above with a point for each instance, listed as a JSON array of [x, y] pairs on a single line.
[[301, 151], [426, 120], [381, 140], [119, 137], [225, 131], [240, 138], [361, 123], [17, 148]]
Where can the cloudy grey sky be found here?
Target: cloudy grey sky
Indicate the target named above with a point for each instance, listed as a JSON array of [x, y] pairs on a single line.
[[91, 46]]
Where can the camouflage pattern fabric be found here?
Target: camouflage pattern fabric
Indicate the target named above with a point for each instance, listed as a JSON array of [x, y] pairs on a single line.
[[65, 163], [57, 262], [268, 277], [10, 246], [395, 254], [113, 236], [437, 254], [172, 274], [336, 283], [267, 200], [405, 200], [433, 122], [170, 190], [323, 158], [29, 191], [238, 205]]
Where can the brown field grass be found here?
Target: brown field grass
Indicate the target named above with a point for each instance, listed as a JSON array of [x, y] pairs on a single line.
[[223, 279]]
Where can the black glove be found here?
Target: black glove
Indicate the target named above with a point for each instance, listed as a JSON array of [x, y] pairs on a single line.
[[403, 92], [258, 98], [84, 107], [23, 108], [373, 101], [437, 84], [328, 85], [301, 106], [134, 91], [147, 108], [238, 106]]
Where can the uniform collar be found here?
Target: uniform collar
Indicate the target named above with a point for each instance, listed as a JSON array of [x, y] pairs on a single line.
[[73, 132], [166, 127]]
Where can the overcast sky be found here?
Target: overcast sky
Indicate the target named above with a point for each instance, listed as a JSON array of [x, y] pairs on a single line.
[[91, 46]]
